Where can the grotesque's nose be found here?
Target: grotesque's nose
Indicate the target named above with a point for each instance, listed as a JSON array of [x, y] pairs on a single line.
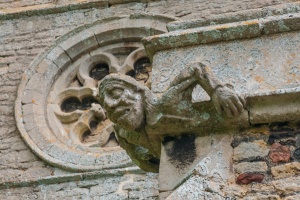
[[112, 103], [123, 100]]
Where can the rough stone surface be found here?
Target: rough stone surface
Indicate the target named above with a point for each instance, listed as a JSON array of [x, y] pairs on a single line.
[[101, 188], [25, 34], [248, 167], [287, 186], [253, 179], [249, 178], [251, 151], [262, 197], [286, 170], [279, 153]]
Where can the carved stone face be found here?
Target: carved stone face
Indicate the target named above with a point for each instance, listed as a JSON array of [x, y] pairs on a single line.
[[124, 106]]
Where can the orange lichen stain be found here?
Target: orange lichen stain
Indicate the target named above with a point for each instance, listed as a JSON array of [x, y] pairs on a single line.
[[261, 143], [289, 81], [222, 27], [52, 140], [250, 22], [289, 62], [33, 101], [259, 79]]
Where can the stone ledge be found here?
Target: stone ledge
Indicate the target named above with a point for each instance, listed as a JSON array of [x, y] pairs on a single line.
[[244, 15], [52, 8], [222, 32], [71, 177], [278, 105]]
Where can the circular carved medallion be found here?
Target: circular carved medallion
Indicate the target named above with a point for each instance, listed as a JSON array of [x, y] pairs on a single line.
[[57, 109]]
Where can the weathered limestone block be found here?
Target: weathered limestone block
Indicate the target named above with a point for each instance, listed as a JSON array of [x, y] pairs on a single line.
[[287, 186], [250, 167], [286, 170], [251, 151], [262, 197]]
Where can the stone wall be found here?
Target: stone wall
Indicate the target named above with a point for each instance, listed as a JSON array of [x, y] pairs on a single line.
[[268, 154], [24, 33], [265, 166], [4, 4], [128, 186]]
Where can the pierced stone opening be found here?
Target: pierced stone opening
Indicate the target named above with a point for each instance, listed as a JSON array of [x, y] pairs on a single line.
[[131, 73], [113, 139], [73, 103], [93, 125], [70, 104], [87, 102], [142, 69], [85, 138], [99, 71]]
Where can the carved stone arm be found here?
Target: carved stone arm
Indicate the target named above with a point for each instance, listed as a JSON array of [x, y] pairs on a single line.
[[223, 96], [197, 73]]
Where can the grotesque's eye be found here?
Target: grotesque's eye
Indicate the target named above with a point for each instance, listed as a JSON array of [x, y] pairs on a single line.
[[116, 93]]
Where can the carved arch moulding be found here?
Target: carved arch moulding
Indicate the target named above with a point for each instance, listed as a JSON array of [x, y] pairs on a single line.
[[57, 109]]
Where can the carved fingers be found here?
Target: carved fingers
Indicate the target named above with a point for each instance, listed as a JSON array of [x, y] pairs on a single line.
[[226, 100], [191, 70]]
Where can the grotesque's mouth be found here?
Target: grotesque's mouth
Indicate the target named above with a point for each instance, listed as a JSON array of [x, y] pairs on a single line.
[[120, 113]]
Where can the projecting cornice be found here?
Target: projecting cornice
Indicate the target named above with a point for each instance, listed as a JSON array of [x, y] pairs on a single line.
[[230, 26]]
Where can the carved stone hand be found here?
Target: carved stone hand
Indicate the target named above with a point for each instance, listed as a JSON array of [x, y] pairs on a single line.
[[227, 100]]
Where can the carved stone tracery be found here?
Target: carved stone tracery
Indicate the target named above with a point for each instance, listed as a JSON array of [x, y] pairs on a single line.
[[61, 118], [77, 106]]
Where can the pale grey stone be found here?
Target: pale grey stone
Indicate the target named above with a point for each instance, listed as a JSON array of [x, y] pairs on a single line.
[[250, 151], [250, 167], [287, 185]]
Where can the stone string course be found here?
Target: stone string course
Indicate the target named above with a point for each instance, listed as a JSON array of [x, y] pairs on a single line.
[[23, 37]]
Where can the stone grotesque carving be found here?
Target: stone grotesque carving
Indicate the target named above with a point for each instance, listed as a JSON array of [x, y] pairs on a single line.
[[143, 119]]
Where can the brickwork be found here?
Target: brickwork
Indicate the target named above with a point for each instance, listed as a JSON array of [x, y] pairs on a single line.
[[22, 39]]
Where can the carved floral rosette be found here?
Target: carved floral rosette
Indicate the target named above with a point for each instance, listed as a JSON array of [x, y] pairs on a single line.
[[57, 109]]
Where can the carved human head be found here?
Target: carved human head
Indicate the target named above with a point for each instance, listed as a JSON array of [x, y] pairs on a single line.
[[123, 100]]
